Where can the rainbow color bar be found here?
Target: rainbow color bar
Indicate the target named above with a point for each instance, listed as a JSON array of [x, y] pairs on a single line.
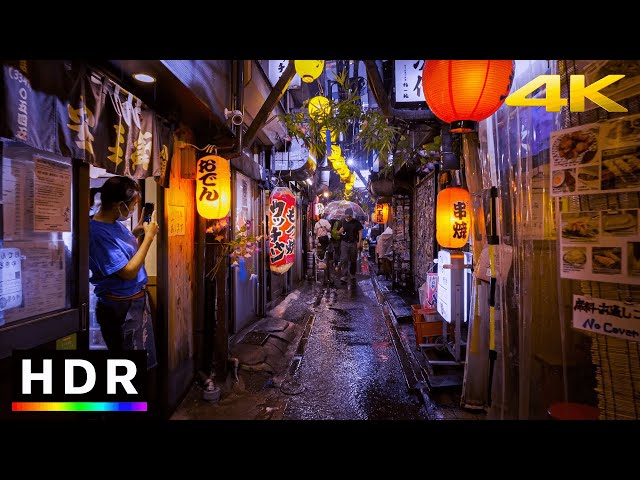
[[79, 406]]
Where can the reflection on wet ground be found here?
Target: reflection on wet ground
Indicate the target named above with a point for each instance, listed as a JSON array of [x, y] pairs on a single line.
[[350, 369]]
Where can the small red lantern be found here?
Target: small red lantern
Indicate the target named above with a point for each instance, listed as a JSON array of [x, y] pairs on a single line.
[[462, 92], [282, 229], [453, 217], [381, 213]]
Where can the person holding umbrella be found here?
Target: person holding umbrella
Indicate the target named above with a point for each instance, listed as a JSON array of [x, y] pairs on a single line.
[[351, 231]]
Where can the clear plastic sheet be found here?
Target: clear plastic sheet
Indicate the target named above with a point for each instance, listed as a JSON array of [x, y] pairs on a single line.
[[530, 361]]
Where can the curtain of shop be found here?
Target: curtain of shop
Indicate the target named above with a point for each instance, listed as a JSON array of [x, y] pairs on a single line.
[[67, 108]]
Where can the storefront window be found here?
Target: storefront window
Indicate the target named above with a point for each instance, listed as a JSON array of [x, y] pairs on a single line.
[[37, 243]]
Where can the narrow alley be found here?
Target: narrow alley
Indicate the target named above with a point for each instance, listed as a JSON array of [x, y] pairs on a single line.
[[338, 239], [350, 370], [341, 365]]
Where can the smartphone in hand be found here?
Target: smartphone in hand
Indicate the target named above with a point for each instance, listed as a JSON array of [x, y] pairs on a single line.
[[148, 210]]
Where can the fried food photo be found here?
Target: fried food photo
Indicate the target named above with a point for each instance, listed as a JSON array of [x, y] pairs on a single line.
[[575, 256], [574, 144], [581, 227], [619, 221], [607, 258]]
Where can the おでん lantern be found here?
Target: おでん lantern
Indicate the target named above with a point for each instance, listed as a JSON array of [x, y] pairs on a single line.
[[213, 187], [282, 229], [381, 213], [453, 217], [309, 70], [462, 92]]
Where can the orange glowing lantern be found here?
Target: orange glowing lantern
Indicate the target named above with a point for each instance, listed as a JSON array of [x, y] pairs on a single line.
[[381, 213], [453, 217], [282, 229], [462, 92], [213, 187]]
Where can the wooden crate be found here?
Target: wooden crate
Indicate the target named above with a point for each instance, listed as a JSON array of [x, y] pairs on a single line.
[[425, 326]]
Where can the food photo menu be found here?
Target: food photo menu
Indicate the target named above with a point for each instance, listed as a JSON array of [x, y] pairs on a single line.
[[602, 246], [596, 158]]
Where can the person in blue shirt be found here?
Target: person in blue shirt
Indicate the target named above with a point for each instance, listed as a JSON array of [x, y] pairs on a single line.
[[116, 261]]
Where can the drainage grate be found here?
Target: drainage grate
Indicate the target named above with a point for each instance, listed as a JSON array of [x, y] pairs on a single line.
[[255, 338], [341, 328]]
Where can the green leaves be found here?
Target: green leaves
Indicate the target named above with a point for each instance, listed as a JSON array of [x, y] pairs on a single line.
[[373, 131]]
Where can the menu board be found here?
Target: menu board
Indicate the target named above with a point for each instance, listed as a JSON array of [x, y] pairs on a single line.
[[596, 158], [52, 196]]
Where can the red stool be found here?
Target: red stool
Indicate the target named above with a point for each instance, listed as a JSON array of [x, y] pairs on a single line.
[[573, 411]]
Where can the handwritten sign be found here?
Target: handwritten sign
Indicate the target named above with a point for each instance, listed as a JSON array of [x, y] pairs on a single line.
[[408, 75], [176, 220], [607, 317], [276, 68]]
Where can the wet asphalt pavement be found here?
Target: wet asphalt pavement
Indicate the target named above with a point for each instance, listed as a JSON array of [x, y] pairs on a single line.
[[350, 370]]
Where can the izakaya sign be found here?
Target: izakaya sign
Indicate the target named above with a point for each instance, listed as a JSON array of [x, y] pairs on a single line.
[[213, 187], [607, 317], [453, 217], [282, 229], [381, 213]]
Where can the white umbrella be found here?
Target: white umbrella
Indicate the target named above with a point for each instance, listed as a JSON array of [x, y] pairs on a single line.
[[336, 209]]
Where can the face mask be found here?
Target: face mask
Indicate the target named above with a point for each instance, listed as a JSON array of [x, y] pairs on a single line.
[[129, 214]]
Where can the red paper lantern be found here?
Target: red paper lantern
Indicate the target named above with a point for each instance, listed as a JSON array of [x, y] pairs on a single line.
[[381, 213], [282, 229], [453, 217], [462, 92]]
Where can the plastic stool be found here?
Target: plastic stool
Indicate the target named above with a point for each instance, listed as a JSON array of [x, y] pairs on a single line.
[[573, 411]]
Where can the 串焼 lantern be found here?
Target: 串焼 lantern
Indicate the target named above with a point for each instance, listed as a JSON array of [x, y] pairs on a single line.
[[309, 70], [453, 217], [282, 229], [462, 92], [381, 213], [213, 187]]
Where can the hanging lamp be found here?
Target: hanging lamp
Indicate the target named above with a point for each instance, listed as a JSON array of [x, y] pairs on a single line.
[[453, 217], [309, 70], [319, 108], [463, 92]]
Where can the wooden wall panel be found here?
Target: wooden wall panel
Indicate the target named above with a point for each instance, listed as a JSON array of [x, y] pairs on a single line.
[[181, 281], [424, 229]]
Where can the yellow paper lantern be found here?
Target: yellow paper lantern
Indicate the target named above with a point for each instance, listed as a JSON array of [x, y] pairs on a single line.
[[213, 187], [381, 213], [453, 217], [336, 152], [319, 107], [309, 70]]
